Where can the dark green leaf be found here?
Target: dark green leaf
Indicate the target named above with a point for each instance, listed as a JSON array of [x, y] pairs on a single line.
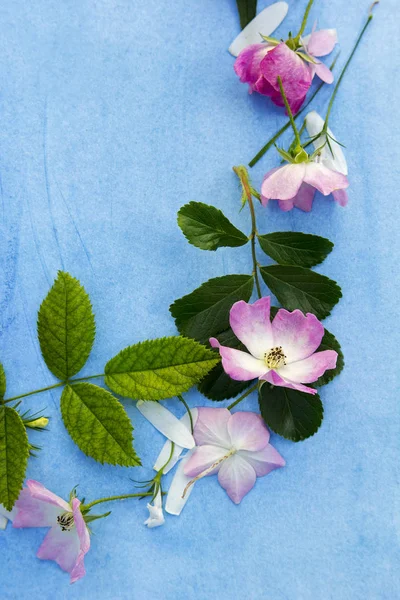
[[217, 385], [297, 287], [158, 369], [2, 382], [207, 228], [205, 312], [294, 415], [295, 248], [98, 424], [329, 342], [14, 453], [247, 11], [66, 327]]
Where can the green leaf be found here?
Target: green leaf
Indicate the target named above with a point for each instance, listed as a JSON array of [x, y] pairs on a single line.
[[294, 415], [158, 369], [14, 453], [247, 11], [295, 248], [2, 382], [217, 385], [98, 424], [329, 342], [205, 312], [297, 287], [207, 228], [66, 327]]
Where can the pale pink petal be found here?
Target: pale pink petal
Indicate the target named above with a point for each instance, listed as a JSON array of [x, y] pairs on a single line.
[[275, 379], [341, 197], [237, 477], [283, 62], [323, 179], [252, 326], [61, 546], [322, 42], [285, 205], [203, 458], [248, 431], [304, 198], [239, 365], [309, 369], [299, 335], [283, 183], [323, 72], [38, 507], [212, 427], [264, 461], [247, 64], [84, 539]]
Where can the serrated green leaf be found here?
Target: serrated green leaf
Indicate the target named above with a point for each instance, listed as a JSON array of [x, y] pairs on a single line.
[[247, 11], [98, 424], [297, 287], [2, 382], [292, 414], [217, 385], [205, 312], [329, 342], [159, 369], [14, 454], [295, 248], [206, 227], [66, 327]]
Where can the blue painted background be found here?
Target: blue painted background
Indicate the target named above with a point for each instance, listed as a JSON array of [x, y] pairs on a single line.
[[114, 113]]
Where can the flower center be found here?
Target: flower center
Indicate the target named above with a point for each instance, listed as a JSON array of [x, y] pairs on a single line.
[[65, 521], [275, 358]]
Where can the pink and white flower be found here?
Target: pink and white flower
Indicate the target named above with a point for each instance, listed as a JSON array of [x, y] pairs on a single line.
[[68, 540], [236, 446], [282, 352], [295, 185]]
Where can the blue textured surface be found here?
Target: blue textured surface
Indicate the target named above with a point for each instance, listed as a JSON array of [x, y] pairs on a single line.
[[113, 114]]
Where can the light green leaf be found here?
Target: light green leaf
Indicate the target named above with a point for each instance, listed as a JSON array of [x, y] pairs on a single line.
[[207, 228], [297, 287], [205, 312], [2, 382], [158, 369], [294, 415], [66, 327], [329, 342], [14, 453], [295, 248], [98, 424], [247, 11]]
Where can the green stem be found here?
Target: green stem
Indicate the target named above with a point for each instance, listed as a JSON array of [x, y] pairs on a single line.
[[304, 21], [289, 112], [86, 507], [170, 456], [51, 387], [339, 81], [181, 398], [243, 396]]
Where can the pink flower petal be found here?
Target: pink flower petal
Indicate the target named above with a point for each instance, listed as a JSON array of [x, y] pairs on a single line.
[[248, 431], [275, 379], [252, 326], [38, 507], [283, 62], [305, 197], [322, 42], [264, 461], [283, 183], [61, 546], [203, 458], [247, 64], [323, 72], [212, 427], [285, 205], [299, 335], [323, 179], [309, 369], [84, 539], [341, 197], [239, 365], [237, 477]]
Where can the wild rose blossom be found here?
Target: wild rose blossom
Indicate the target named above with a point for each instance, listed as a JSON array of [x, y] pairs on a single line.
[[259, 65], [282, 352], [236, 446], [68, 540]]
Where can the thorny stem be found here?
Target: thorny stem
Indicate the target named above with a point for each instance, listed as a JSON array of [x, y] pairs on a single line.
[[241, 172], [181, 398], [289, 112], [207, 471], [51, 387], [243, 396]]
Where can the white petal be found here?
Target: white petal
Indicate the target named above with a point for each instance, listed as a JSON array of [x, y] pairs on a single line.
[[166, 422], [5, 516], [175, 502], [3, 522], [265, 22], [166, 449], [337, 162]]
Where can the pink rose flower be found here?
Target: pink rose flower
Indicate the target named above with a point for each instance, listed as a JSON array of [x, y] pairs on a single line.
[[68, 540], [282, 352], [259, 65], [236, 446], [295, 185]]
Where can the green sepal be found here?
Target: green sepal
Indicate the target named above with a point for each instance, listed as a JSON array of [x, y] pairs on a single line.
[[14, 454], [295, 248]]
